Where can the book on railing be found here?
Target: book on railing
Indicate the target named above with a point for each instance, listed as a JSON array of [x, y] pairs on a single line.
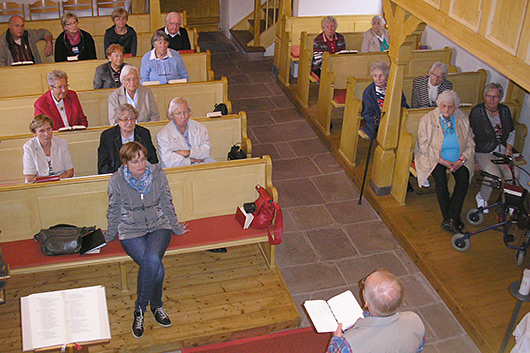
[[18, 63], [53, 319], [348, 51], [45, 179], [326, 315], [73, 127], [178, 80], [93, 242]]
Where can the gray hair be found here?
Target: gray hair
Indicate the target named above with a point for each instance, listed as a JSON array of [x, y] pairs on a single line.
[[380, 66], [441, 66], [491, 86], [383, 292], [329, 19], [68, 16], [380, 18], [127, 108], [173, 13], [159, 34], [448, 96], [126, 70], [55, 75], [173, 105]]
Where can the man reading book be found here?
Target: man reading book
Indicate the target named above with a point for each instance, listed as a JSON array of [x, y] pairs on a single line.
[[383, 329]]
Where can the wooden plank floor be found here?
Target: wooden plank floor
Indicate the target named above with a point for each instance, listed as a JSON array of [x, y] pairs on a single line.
[[473, 284], [210, 298]]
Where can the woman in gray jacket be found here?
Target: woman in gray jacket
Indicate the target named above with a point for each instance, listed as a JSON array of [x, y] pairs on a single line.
[[142, 215]]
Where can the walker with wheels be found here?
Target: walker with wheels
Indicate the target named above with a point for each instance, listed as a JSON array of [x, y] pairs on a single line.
[[513, 219]]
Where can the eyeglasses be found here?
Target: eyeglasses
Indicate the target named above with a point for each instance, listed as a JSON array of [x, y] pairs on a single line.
[[182, 113], [492, 96], [70, 24], [127, 120], [134, 79], [362, 281], [60, 88], [138, 161]]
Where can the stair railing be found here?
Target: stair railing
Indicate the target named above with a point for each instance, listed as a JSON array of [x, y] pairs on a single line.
[[268, 7]]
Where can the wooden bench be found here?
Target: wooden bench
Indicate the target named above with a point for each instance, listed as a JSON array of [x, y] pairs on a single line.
[[207, 207], [16, 113], [224, 132], [292, 27], [31, 80]]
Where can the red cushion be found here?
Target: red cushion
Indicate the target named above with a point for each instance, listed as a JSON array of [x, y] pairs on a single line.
[[315, 76], [339, 96], [187, 51], [202, 232], [295, 51]]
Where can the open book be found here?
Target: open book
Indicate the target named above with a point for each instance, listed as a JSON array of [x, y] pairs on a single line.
[[52, 319], [326, 316], [17, 63], [74, 127]]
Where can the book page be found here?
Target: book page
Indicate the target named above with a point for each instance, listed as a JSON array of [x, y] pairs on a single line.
[[82, 309], [321, 315], [346, 309]]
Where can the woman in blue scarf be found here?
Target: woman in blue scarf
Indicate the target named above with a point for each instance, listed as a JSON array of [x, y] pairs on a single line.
[[142, 215]]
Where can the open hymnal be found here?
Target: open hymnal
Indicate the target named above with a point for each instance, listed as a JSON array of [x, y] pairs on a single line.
[[53, 319], [326, 315], [17, 63], [348, 51], [74, 127]]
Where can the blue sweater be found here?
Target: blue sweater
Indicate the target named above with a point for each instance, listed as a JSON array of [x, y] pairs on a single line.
[[169, 68]]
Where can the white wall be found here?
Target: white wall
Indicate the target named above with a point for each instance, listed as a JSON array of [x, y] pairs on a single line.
[[336, 7], [233, 11]]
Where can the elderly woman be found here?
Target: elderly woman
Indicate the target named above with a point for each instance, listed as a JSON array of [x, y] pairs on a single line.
[[46, 155], [73, 43], [374, 97], [108, 74], [121, 33], [142, 215], [376, 38], [162, 64], [445, 142], [59, 103], [140, 97], [125, 131], [425, 89], [329, 40], [183, 141], [494, 132]]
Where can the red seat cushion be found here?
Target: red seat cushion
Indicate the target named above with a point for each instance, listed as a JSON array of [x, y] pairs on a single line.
[[315, 76], [202, 232], [187, 51], [295, 51], [339, 96]]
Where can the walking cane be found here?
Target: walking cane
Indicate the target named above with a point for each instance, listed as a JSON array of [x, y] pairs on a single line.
[[374, 136]]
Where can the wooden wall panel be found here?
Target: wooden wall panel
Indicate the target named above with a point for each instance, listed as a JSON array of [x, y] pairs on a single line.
[[436, 3], [467, 12], [505, 24]]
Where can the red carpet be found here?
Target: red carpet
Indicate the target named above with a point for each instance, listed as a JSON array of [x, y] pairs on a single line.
[[300, 340]]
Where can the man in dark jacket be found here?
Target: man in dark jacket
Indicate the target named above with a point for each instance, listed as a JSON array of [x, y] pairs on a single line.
[[178, 36]]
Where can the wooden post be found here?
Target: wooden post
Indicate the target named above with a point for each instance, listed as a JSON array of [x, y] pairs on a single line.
[[401, 27], [154, 15], [257, 22]]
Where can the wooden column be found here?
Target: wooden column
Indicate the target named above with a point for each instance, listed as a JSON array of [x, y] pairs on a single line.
[[154, 15], [402, 25]]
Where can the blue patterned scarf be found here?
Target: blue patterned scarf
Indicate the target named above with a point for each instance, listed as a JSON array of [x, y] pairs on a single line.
[[143, 185]]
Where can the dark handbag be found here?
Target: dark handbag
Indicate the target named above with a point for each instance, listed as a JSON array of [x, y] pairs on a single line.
[[266, 212], [61, 239], [236, 152], [221, 107]]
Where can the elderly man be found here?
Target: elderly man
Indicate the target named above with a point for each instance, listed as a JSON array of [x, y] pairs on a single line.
[[178, 36], [383, 329], [18, 44], [125, 131], [426, 89]]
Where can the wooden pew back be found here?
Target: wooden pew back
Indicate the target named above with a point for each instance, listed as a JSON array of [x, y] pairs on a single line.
[[25, 209], [16, 113], [31, 80], [224, 132]]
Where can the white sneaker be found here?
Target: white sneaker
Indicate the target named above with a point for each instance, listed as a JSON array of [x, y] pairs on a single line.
[[482, 203], [426, 184]]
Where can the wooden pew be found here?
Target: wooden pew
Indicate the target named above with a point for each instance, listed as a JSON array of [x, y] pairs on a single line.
[[224, 132], [292, 27], [337, 68], [31, 80], [16, 113]]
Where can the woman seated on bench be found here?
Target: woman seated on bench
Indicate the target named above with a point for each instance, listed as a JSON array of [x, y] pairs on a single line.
[[141, 214], [73, 43], [183, 141], [108, 74], [445, 142], [425, 89], [376, 38], [328, 40], [162, 64], [121, 33], [46, 155]]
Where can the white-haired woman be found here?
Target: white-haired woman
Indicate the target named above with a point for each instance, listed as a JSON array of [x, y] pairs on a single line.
[[329, 40], [140, 97], [425, 89], [183, 141], [445, 142], [376, 38]]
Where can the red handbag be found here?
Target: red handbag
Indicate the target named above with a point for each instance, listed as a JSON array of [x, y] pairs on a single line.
[[266, 211]]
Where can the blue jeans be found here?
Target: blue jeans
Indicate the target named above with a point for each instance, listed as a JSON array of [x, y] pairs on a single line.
[[147, 251]]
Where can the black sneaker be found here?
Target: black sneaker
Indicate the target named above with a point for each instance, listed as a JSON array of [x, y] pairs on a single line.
[[161, 317], [138, 324]]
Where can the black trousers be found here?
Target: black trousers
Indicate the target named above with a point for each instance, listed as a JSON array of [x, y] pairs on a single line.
[[451, 206]]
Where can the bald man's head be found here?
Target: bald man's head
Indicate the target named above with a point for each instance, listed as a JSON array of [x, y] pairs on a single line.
[[16, 26]]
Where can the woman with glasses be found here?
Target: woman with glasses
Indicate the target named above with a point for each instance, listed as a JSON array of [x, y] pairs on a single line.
[[131, 92], [125, 131], [161, 63], [59, 103], [141, 214], [121, 33], [73, 43], [445, 143], [183, 141]]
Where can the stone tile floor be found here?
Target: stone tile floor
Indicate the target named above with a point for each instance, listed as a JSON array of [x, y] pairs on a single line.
[[330, 241]]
